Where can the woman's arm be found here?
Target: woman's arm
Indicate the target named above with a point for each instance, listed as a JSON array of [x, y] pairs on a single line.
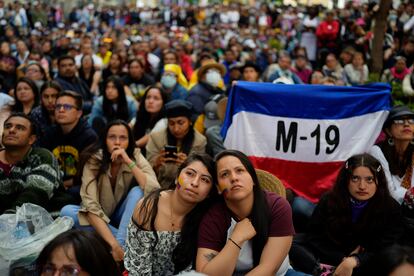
[[211, 262], [273, 255], [95, 83], [142, 142], [103, 230]]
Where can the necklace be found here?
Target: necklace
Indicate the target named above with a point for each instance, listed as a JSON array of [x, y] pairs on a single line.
[[171, 213]]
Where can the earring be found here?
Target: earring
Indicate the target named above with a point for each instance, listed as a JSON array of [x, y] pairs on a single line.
[[390, 141]]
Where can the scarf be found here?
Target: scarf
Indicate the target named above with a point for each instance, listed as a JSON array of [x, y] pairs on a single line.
[[400, 75], [406, 182]]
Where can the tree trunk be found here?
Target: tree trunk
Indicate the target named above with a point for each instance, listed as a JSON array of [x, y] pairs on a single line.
[[379, 33]]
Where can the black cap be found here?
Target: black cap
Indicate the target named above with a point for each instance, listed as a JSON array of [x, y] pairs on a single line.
[[177, 108], [397, 112]]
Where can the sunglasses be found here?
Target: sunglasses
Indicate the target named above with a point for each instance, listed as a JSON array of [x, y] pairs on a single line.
[[403, 121], [66, 107]]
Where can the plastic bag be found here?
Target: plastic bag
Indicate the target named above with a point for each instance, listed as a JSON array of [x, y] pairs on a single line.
[[26, 232]]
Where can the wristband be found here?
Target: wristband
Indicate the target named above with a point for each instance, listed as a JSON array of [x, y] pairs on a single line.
[[235, 243], [132, 164]]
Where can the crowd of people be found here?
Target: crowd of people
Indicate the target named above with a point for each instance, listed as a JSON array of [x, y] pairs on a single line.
[[112, 116]]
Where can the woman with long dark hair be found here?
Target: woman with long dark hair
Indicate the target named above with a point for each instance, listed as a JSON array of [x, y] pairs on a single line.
[[396, 152], [26, 96], [114, 104], [357, 218], [151, 111], [89, 74], [114, 176], [169, 147], [76, 252], [44, 114], [250, 231], [163, 232], [115, 66]]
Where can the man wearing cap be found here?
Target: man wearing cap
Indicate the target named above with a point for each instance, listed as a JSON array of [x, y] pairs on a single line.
[[168, 148], [174, 82], [209, 76]]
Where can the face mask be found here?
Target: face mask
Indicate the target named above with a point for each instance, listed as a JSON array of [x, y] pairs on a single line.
[[168, 81], [213, 78]]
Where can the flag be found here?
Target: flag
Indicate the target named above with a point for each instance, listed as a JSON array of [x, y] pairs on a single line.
[[304, 133]]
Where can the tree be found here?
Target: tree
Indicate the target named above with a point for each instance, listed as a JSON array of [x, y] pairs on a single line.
[[380, 28]]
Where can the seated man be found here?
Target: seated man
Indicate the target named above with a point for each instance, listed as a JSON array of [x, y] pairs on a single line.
[[27, 174], [69, 137]]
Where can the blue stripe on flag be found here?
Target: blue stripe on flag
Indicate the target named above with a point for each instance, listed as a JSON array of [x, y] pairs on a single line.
[[306, 101]]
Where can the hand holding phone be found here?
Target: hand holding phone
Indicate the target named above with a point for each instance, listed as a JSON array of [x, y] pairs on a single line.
[[170, 152]]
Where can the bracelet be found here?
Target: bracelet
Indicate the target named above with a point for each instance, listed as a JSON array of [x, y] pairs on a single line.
[[132, 164], [235, 243]]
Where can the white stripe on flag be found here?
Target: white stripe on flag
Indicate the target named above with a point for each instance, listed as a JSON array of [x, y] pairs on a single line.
[[303, 140]]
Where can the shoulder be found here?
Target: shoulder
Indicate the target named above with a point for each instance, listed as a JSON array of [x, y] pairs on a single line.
[[43, 156], [198, 137]]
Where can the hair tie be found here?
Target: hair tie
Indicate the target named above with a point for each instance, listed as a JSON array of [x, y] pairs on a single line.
[[379, 168]]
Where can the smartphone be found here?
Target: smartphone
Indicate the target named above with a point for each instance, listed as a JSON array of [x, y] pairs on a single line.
[[170, 150]]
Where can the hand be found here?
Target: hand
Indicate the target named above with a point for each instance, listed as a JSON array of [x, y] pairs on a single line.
[[243, 231], [346, 267], [117, 253], [121, 155], [181, 156], [68, 183]]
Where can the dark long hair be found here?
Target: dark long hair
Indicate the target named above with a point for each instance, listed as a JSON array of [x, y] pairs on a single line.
[[82, 71], [389, 259], [92, 253], [396, 165], [184, 253], [49, 84], [339, 218], [260, 214], [187, 143], [18, 106], [144, 120], [89, 154], [121, 111]]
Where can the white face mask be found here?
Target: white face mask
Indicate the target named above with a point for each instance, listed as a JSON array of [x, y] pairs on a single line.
[[168, 81], [213, 78]]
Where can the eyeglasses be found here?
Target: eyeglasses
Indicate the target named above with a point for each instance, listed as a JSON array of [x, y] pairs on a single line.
[[65, 270], [66, 107], [403, 121], [357, 179], [121, 138]]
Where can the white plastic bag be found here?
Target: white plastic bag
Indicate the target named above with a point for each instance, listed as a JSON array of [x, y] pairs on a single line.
[[28, 231]]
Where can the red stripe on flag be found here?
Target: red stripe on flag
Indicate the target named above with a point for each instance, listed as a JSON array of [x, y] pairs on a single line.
[[309, 180]]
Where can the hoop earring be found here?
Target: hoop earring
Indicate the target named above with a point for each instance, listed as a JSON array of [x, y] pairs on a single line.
[[390, 141]]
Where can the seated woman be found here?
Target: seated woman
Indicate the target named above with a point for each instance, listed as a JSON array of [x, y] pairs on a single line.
[[44, 114], [163, 232], [89, 74], [26, 96], [149, 114], [250, 231], [109, 191], [114, 104], [77, 252], [357, 218], [174, 82], [36, 73], [396, 152], [357, 72], [180, 136]]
